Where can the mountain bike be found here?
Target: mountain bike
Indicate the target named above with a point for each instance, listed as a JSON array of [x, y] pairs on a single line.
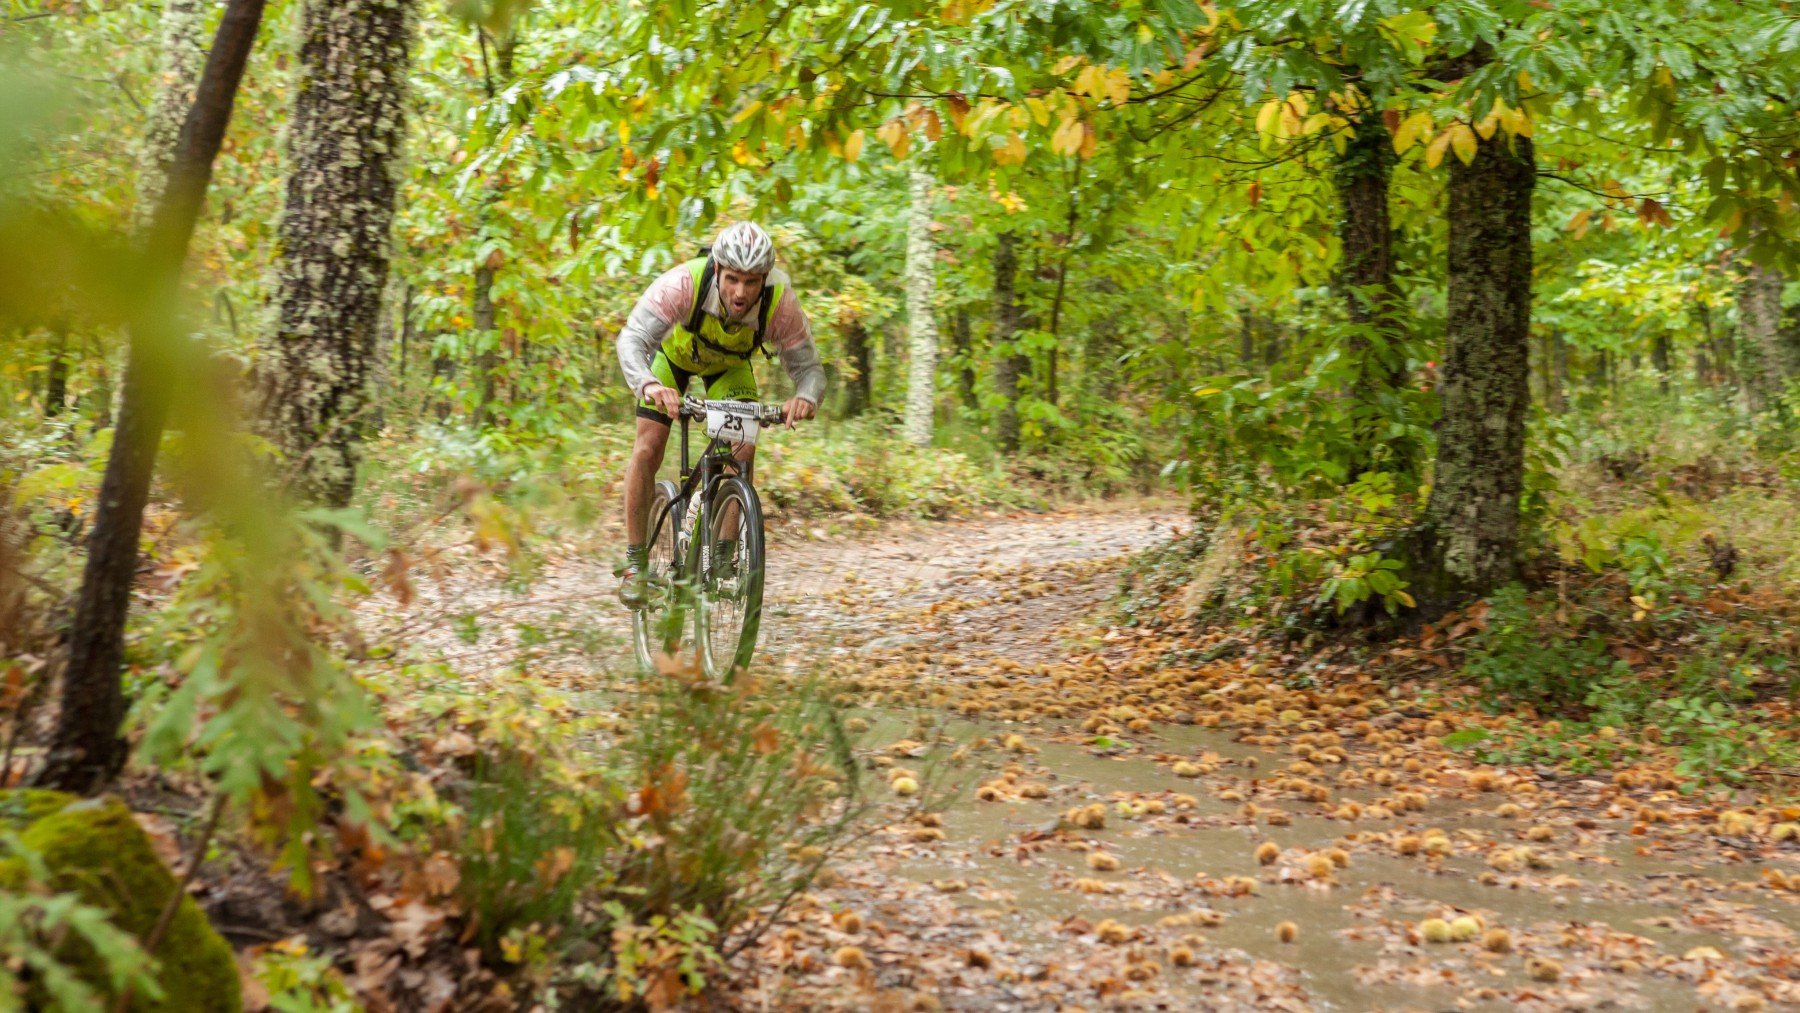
[[705, 552]]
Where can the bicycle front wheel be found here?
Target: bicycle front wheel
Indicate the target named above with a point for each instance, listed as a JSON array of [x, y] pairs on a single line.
[[728, 610], [658, 626]]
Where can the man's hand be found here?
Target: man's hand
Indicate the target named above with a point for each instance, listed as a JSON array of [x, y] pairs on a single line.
[[796, 409], [665, 397]]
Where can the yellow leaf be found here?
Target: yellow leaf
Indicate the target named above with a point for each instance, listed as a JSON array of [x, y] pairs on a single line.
[[624, 132], [1463, 140], [1088, 81], [748, 111], [1434, 152], [1020, 117], [1206, 391], [1067, 139], [1412, 129], [1406, 599], [1314, 122], [1579, 223], [1011, 153], [853, 146], [1066, 64], [934, 127], [1266, 117], [894, 134], [1040, 113], [1520, 123], [1090, 143], [1491, 121], [1118, 87]]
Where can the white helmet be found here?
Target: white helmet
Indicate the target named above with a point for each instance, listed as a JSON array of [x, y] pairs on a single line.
[[744, 247]]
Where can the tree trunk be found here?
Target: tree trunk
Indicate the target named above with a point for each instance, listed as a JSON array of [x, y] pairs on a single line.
[[1759, 322], [1473, 513], [487, 362], [1010, 365], [1718, 356], [100, 396], [1559, 371], [344, 150], [56, 377], [86, 750], [964, 347], [1365, 281], [1272, 344], [1660, 360], [859, 349], [1246, 339], [487, 334], [1051, 360], [181, 49], [406, 332], [921, 292], [443, 367]]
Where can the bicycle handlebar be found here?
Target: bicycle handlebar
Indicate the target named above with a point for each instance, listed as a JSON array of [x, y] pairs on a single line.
[[767, 414]]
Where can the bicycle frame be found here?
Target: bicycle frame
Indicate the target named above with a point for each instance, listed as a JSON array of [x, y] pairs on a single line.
[[704, 477]]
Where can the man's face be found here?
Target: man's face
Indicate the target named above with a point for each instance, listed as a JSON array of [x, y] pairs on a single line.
[[739, 289]]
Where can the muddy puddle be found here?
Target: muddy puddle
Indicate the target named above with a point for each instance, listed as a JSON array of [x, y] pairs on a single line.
[[1600, 912]]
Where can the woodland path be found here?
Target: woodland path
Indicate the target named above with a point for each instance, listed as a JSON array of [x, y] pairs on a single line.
[[1228, 874]]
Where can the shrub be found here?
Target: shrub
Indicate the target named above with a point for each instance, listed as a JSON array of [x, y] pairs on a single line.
[[1522, 660], [676, 827]]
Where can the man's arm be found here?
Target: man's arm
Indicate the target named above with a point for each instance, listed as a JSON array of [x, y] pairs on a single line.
[[792, 335], [639, 340], [668, 299]]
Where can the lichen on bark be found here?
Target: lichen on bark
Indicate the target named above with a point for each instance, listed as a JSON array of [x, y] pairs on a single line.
[[921, 321], [180, 51], [1473, 512], [345, 147], [1767, 363]]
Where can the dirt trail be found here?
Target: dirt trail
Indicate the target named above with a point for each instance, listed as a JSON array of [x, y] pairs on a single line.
[[824, 593], [1578, 895], [1210, 884]]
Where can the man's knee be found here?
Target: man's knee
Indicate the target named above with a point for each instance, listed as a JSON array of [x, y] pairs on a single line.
[[647, 451]]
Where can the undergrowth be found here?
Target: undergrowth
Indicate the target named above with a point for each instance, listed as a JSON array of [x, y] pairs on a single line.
[[1655, 613], [670, 828]]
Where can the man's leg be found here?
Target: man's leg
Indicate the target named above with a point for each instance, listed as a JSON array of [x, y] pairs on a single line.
[[640, 477], [640, 482]]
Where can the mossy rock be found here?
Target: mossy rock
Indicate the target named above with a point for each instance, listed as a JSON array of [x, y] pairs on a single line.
[[94, 848]]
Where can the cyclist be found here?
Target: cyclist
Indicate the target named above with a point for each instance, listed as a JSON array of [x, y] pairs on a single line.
[[705, 319]]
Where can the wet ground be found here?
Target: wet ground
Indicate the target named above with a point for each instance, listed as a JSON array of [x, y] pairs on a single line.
[[1110, 820]]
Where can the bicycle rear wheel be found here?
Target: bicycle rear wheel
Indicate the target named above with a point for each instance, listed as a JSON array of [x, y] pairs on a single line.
[[657, 628], [728, 608]]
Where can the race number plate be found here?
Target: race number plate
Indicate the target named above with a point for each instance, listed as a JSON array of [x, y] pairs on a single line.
[[732, 421]]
